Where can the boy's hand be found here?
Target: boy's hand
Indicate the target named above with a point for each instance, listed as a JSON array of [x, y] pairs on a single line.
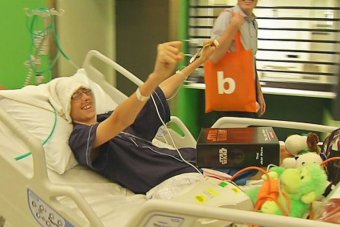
[[168, 56]]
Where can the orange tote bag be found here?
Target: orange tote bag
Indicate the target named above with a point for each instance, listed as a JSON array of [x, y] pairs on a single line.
[[230, 84]]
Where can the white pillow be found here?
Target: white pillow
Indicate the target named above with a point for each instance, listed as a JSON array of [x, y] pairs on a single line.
[[39, 122]]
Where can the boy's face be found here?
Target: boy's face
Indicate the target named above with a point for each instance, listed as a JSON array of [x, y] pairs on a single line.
[[83, 107], [247, 5]]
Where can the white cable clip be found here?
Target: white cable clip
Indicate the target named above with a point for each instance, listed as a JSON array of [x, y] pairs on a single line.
[[141, 97]]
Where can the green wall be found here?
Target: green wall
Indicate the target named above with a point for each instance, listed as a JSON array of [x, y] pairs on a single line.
[[188, 101], [15, 41]]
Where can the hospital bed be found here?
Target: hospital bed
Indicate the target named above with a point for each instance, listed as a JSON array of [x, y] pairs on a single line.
[[32, 193]]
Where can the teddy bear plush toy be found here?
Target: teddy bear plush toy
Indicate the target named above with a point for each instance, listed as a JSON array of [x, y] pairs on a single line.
[[298, 144], [295, 144], [301, 160], [289, 191], [302, 150]]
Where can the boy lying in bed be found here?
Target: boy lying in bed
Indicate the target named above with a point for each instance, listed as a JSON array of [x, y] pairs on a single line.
[[117, 145]]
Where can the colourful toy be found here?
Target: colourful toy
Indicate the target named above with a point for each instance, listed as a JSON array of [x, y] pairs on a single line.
[[301, 160], [289, 191], [296, 144], [312, 142], [303, 150]]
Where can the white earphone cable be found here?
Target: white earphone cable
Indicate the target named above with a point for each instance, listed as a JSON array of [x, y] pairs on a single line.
[[172, 141]]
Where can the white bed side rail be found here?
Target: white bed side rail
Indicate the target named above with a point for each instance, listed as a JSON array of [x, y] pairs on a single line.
[[171, 134], [183, 214], [230, 122], [14, 194], [96, 54], [94, 74]]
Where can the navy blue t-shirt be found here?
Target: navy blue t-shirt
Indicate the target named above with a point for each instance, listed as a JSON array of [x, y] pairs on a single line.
[[130, 159]]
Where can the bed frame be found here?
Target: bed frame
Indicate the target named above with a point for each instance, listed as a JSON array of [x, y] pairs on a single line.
[[24, 195]]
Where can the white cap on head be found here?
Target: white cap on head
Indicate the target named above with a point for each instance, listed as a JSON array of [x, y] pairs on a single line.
[[61, 92]]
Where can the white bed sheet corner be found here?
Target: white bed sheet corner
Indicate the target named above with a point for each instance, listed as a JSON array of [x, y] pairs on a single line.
[[83, 198]]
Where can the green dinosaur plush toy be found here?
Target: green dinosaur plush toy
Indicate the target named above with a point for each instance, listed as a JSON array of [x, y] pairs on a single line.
[[289, 191]]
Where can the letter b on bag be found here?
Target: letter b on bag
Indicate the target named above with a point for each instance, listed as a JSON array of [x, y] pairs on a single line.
[[223, 83]]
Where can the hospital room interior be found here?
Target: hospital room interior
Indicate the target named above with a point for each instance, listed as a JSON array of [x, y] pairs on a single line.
[[111, 45]]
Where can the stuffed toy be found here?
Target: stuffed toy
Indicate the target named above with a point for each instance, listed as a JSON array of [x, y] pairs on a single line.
[[289, 191], [312, 143], [301, 160], [295, 144], [302, 150]]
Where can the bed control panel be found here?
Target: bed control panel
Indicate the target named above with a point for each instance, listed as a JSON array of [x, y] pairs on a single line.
[[43, 213]]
